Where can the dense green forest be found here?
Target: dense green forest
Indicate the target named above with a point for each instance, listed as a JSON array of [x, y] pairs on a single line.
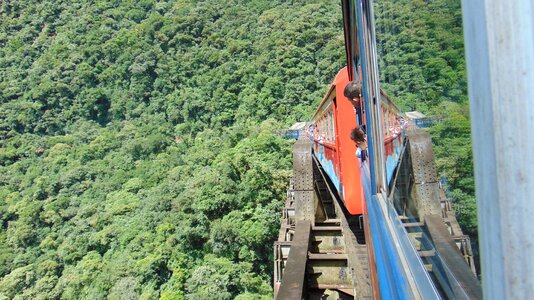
[[139, 154]]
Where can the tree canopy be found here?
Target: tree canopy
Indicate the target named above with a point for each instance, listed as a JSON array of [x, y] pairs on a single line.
[[139, 155]]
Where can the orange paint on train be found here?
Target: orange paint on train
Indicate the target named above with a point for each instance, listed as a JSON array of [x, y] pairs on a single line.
[[346, 163]]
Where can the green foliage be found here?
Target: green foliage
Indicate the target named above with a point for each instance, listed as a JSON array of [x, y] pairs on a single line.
[[421, 53], [138, 149], [220, 278], [452, 144]]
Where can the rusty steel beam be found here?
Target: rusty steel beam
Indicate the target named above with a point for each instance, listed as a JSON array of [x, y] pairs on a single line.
[[452, 266], [293, 285]]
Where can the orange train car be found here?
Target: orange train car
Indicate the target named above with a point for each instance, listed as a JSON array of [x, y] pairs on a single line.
[[333, 122], [336, 152]]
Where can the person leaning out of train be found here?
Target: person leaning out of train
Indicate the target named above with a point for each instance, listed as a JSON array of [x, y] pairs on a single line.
[[359, 138], [353, 92]]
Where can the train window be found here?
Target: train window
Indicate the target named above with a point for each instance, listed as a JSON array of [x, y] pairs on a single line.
[[322, 129], [332, 126], [386, 115], [327, 125]]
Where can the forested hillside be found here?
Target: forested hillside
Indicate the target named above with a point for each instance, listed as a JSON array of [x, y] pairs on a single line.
[[139, 155]]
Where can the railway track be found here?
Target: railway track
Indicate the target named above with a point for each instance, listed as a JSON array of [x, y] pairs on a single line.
[[333, 260]]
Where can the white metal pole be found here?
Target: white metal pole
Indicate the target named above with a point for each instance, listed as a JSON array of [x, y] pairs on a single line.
[[499, 40]]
